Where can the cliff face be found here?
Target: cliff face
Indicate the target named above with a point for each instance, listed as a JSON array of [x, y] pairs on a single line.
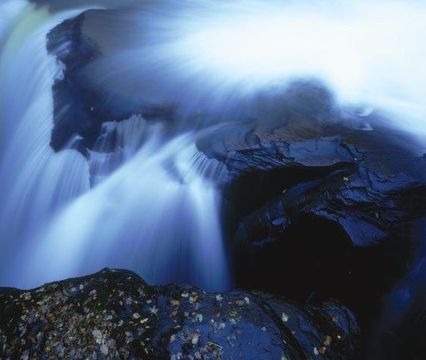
[[115, 314]]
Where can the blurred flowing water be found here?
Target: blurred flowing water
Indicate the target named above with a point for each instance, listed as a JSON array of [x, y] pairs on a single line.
[[149, 204], [146, 206]]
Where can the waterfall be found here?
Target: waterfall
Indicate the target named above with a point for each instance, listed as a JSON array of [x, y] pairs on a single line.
[[147, 200], [36, 182], [145, 206], [155, 214]]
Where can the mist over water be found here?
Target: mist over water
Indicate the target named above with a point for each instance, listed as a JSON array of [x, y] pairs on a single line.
[[215, 55], [148, 205]]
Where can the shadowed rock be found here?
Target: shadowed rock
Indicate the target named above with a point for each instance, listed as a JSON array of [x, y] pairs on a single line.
[[115, 314], [366, 181], [327, 204], [81, 107]]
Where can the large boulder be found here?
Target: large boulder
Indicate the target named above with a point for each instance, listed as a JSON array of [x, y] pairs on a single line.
[[359, 173], [115, 314], [322, 195]]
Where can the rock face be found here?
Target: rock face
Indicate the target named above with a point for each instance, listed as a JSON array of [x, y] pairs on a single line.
[[326, 194], [366, 181], [74, 112], [80, 106], [115, 314]]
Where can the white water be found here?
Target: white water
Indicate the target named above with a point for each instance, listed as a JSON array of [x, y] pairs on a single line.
[[147, 206], [35, 182], [209, 53], [155, 214]]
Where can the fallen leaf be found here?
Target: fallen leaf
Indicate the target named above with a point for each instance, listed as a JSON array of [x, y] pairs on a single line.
[[195, 339]]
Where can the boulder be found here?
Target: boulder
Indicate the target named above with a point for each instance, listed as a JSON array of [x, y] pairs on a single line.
[[115, 314], [325, 198]]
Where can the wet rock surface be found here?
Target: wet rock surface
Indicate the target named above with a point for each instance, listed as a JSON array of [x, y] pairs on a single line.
[[80, 106], [115, 314], [330, 198], [366, 181], [369, 180], [74, 116]]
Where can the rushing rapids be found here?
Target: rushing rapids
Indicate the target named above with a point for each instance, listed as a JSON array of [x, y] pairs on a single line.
[[59, 218], [90, 178], [275, 146]]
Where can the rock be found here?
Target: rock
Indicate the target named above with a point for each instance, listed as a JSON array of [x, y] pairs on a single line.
[[326, 204], [314, 157], [368, 182], [59, 5], [81, 106], [73, 104], [365, 181], [94, 317]]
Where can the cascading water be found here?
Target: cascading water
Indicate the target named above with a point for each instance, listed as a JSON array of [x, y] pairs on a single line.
[[104, 105], [35, 181], [149, 208], [141, 201], [155, 214]]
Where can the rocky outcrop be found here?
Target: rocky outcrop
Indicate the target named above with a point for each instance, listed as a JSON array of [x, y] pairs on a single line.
[[74, 112], [367, 181], [326, 198], [80, 105], [115, 314]]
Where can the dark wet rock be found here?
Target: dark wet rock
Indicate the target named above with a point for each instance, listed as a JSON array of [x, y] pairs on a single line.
[[74, 111], [403, 320], [115, 314], [365, 181], [80, 106], [368, 182], [60, 5], [327, 204]]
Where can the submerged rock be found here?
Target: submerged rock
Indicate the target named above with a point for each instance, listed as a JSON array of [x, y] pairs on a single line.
[[115, 314]]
